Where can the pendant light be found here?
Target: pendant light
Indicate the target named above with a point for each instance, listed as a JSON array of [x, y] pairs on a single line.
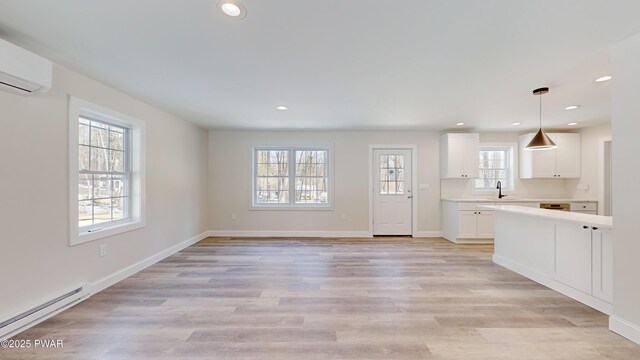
[[541, 141]]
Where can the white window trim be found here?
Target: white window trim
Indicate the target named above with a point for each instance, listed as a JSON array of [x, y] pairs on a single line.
[[78, 107], [317, 207], [514, 163]]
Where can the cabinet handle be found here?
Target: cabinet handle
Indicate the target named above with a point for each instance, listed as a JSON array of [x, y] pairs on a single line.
[[585, 227], [594, 228]]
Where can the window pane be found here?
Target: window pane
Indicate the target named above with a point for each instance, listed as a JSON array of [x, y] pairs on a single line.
[[116, 161], [119, 185], [83, 132], [101, 186], [101, 210], [99, 136], [118, 208], [98, 159], [85, 189], [116, 139], [85, 213], [384, 161], [83, 163]]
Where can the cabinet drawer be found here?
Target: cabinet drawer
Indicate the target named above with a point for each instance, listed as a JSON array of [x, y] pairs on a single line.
[[473, 206], [583, 206]]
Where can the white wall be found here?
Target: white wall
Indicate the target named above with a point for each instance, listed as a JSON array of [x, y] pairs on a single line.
[[230, 180], [541, 188], [36, 261], [626, 195], [591, 138]]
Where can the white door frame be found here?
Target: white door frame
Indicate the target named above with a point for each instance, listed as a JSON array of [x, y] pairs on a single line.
[[601, 175], [414, 182]]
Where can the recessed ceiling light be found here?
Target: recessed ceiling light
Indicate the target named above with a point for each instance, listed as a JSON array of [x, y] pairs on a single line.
[[572, 124], [603, 78], [232, 8], [515, 124], [572, 107], [282, 108], [460, 124]]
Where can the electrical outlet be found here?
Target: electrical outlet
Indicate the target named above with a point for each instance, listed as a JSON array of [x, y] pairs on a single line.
[[103, 250], [343, 216], [234, 216]]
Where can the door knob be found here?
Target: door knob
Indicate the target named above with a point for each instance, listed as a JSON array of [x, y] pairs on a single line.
[[409, 197]]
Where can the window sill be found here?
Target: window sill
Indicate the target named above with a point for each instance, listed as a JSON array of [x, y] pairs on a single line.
[[86, 236], [291, 208]]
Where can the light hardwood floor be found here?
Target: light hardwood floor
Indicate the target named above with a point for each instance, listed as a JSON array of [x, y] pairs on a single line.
[[383, 298]]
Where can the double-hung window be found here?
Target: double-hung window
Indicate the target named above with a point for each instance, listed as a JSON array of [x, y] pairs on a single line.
[[496, 164], [291, 176], [105, 171]]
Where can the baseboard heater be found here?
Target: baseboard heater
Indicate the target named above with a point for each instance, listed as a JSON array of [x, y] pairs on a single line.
[[10, 326]]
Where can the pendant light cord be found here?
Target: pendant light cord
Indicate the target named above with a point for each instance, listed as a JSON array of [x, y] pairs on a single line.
[[540, 111]]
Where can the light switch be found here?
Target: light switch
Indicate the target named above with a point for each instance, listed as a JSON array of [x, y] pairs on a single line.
[[424, 186]]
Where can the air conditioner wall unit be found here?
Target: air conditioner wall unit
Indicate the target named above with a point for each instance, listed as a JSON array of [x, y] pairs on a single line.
[[23, 72]]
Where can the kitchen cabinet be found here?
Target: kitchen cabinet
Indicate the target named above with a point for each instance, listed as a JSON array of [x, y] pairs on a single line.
[[573, 256], [475, 224], [563, 162], [466, 222], [602, 264], [459, 155], [569, 253]]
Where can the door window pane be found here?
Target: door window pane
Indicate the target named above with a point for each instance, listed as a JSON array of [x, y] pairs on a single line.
[[391, 174]]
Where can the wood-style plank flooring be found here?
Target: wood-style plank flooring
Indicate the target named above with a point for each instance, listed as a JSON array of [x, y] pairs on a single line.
[[383, 298]]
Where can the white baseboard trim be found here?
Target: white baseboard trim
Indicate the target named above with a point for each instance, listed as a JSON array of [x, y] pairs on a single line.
[[545, 280], [143, 264], [270, 233], [96, 287], [428, 234], [624, 328]]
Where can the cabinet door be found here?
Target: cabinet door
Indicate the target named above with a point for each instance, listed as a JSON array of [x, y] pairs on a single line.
[[568, 155], [467, 224], [455, 156], [573, 256], [484, 221], [603, 265], [472, 156], [543, 162]]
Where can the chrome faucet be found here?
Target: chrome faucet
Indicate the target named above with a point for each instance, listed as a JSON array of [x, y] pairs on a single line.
[[499, 187]]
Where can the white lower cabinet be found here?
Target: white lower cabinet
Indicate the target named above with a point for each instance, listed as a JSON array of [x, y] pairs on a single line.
[[475, 224], [573, 256], [603, 264], [466, 222], [484, 228], [584, 259]]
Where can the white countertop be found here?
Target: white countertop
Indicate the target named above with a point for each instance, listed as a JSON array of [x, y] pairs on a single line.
[[564, 216], [508, 200]]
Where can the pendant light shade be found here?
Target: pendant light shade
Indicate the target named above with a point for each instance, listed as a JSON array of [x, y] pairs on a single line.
[[541, 141]]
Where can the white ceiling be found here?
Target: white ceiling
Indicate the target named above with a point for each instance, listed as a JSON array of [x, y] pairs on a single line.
[[339, 64]]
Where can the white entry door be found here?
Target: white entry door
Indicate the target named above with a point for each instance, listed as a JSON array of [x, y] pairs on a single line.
[[392, 192]]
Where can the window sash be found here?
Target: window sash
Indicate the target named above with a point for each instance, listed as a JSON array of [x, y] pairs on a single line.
[[125, 175], [294, 193], [489, 183]]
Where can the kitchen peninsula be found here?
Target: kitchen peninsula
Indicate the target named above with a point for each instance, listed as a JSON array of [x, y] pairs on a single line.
[[567, 252]]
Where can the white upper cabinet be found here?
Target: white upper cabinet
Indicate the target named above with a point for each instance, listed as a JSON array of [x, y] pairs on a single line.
[[459, 157], [561, 163]]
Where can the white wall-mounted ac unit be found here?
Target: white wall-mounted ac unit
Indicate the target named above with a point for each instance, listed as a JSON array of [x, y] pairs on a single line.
[[23, 72]]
